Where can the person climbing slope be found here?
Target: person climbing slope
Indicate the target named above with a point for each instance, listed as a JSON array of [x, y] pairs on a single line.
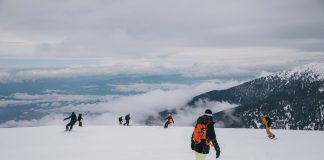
[[127, 118], [80, 119], [73, 120], [169, 121], [204, 135], [266, 121], [120, 119]]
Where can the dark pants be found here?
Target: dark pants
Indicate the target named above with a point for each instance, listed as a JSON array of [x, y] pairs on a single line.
[[80, 123], [120, 122], [126, 123], [71, 124], [166, 124]]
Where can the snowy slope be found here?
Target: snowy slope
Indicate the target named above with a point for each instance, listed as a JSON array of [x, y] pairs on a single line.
[[152, 143]]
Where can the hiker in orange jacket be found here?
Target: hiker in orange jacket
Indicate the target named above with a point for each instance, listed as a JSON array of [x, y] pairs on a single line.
[[169, 121], [266, 123], [204, 136]]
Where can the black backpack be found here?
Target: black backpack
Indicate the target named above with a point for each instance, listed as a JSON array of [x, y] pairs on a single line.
[[269, 121]]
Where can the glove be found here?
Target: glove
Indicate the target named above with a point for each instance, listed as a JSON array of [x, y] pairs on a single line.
[[217, 151], [192, 145]]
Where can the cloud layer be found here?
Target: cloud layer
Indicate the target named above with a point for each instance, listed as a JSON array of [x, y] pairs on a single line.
[[227, 63], [107, 110]]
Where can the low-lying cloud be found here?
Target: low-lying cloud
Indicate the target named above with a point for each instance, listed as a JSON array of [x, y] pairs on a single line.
[[53, 99], [140, 106], [238, 62]]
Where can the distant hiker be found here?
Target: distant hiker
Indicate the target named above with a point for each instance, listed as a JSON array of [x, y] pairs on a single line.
[[120, 119], [169, 121], [203, 136], [73, 120], [266, 121], [127, 118], [80, 119]]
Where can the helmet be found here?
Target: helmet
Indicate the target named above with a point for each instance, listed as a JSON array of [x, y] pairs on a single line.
[[208, 112]]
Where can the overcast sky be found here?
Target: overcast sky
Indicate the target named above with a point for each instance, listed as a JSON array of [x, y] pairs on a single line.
[[213, 31]]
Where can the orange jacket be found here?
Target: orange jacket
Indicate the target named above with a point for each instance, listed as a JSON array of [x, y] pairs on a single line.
[[264, 121], [170, 119]]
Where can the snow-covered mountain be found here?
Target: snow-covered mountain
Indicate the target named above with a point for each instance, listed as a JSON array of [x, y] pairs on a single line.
[[294, 99], [152, 143]]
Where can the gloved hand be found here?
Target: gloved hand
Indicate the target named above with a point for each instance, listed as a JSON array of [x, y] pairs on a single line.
[[192, 145], [217, 151]]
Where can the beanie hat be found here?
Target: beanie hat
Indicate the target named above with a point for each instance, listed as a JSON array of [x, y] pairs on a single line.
[[208, 112]]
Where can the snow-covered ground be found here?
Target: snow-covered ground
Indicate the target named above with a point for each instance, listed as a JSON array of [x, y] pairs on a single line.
[[153, 143]]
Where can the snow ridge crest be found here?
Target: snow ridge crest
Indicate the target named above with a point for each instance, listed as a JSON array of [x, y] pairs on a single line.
[[312, 72]]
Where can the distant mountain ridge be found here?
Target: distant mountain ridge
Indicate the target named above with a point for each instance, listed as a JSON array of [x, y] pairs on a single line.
[[294, 99]]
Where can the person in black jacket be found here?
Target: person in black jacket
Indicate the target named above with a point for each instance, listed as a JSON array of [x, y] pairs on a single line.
[[127, 118], [73, 120], [80, 119], [120, 119], [204, 134]]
